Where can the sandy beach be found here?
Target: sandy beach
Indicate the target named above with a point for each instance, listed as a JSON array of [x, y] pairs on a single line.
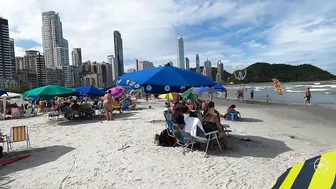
[[121, 154]]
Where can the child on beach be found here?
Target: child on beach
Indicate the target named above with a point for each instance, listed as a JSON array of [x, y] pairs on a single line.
[[267, 99]]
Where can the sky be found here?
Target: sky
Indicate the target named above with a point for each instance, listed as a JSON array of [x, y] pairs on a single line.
[[239, 32]]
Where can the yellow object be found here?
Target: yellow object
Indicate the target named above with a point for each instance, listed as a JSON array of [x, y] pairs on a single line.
[[168, 96], [315, 173]]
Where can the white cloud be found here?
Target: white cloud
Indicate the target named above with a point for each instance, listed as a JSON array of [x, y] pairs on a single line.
[[246, 31]]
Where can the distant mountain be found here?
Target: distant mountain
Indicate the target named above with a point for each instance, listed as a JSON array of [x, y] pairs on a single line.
[[264, 72], [225, 74]]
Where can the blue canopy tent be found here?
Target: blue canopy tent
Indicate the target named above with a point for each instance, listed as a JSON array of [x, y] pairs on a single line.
[[90, 90], [164, 79], [2, 92], [214, 89], [219, 88]]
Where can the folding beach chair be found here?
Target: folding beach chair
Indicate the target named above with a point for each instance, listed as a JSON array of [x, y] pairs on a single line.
[[28, 112], [199, 135], [15, 113], [183, 139], [126, 107], [18, 134]]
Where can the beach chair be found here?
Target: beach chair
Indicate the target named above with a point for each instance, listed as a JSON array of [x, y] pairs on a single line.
[[183, 139], [232, 116], [15, 113], [115, 105], [28, 112], [18, 134], [68, 113], [199, 135], [54, 115], [168, 117], [126, 107]]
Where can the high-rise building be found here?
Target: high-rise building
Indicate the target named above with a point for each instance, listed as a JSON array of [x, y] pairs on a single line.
[[118, 52], [187, 64], [76, 55], [198, 70], [220, 69], [5, 51], [55, 47], [12, 51], [136, 64], [145, 65], [113, 61], [180, 53], [207, 69]]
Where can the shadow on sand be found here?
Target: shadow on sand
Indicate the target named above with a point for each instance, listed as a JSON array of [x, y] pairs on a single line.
[[253, 146], [246, 119], [39, 156], [117, 116]]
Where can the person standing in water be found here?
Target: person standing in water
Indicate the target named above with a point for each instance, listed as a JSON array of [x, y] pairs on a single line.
[[108, 107], [252, 94], [267, 99], [308, 96]]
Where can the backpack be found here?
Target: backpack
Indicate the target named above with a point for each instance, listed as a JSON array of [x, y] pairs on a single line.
[[165, 139]]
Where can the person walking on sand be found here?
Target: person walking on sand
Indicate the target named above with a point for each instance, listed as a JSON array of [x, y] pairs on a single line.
[[308, 96], [108, 108], [267, 99], [252, 94]]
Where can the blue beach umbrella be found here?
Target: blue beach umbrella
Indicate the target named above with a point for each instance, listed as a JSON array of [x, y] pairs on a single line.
[[2, 92], [219, 88], [90, 90], [165, 79]]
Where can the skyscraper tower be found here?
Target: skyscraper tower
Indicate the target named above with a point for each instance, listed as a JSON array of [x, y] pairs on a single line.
[[187, 64], [118, 52], [55, 48], [220, 69], [198, 70], [5, 51], [76, 55], [180, 53]]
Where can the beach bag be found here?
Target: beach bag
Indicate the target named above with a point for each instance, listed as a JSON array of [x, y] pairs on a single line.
[[165, 139]]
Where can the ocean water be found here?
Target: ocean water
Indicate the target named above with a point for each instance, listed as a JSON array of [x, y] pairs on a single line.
[[323, 92]]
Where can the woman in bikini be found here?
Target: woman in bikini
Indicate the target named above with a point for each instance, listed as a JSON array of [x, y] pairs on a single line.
[[108, 105], [211, 123]]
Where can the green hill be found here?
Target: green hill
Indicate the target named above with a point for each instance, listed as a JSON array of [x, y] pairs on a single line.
[[265, 72]]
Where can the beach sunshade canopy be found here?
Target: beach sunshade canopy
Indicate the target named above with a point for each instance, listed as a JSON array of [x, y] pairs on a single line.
[[164, 79], [190, 95], [90, 90], [318, 172], [219, 88], [49, 91], [168, 96], [117, 91], [214, 89], [2, 92]]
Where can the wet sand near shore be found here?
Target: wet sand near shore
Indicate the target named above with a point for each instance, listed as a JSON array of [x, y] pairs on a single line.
[[309, 113]]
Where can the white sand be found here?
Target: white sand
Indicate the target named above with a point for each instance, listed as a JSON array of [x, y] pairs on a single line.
[[81, 155]]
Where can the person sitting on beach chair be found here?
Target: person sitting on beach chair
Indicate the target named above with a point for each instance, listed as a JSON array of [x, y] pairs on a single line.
[[178, 117], [211, 122]]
